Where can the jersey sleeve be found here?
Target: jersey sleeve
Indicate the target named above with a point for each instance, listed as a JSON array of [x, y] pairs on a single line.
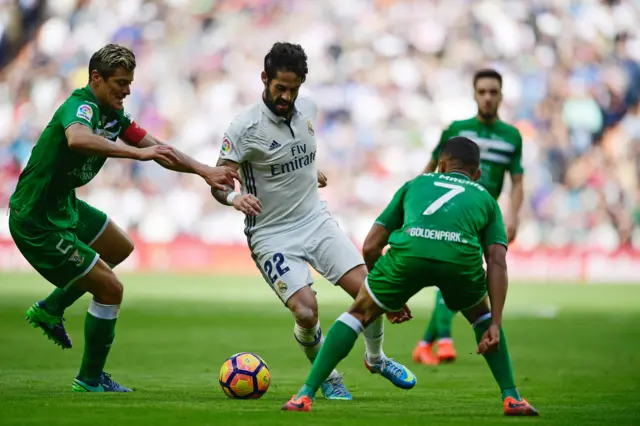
[[234, 143], [494, 232], [443, 138], [77, 110], [392, 217], [515, 167]]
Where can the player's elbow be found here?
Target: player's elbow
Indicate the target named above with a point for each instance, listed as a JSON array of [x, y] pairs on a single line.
[[371, 251], [376, 240], [369, 248], [75, 140]]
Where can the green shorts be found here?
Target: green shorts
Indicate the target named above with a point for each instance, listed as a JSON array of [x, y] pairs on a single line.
[[61, 256], [396, 278]]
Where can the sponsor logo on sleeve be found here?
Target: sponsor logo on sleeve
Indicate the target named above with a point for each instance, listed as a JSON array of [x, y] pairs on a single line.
[[85, 111], [226, 145]]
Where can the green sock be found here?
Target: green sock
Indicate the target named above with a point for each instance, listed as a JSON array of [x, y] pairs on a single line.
[[440, 323], [337, 344], [60, 299], [99, 333], [431, 332], [499, 361], [444, 317]]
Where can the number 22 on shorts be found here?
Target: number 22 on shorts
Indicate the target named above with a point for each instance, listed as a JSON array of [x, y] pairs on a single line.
[[281, 267], [441, 201]]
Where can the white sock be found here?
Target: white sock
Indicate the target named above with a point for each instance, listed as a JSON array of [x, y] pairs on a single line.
[[373, 338], [310, 341], [108, 312]]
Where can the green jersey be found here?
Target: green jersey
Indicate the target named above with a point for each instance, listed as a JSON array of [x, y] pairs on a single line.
[[443, 217], [45, 193], [500, 149]]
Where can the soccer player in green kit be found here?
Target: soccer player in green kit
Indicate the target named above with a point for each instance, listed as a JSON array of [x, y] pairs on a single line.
[[438, 227], [500, 152], [71, 244]]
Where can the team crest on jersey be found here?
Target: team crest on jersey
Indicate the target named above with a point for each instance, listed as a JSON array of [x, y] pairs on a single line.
[[310, 127], [76, 258], [226, 145], [85, 111], [282, 287]]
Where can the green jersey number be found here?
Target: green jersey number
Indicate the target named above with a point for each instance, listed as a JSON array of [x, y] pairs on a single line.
[[437, 204]]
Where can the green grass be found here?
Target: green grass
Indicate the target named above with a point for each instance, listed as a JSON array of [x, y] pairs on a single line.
[[574, 348]]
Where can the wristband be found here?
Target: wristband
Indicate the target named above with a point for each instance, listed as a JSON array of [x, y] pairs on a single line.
[[231, 196]]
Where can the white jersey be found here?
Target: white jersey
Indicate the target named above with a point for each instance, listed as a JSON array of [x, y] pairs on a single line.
[[277, 165]]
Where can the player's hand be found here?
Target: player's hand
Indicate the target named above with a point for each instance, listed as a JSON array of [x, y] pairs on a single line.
[[490, 340], [322, 180], [247, 204], [400, 316], [163, 153], [220, 177], [512, 229]]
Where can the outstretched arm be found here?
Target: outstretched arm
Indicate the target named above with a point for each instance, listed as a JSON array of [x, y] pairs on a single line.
[[216, 177], [80, 138]]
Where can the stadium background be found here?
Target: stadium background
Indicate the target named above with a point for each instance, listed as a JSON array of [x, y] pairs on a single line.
[[387, 76]]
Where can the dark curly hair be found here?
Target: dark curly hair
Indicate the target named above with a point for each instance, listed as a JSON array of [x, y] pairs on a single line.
[[286, 57]]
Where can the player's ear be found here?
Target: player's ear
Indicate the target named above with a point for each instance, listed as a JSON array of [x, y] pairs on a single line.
[[265, 79], [94, 76], [442, 166], [476, 175]]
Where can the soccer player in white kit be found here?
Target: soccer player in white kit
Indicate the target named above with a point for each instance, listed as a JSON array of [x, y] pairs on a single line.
[[273, 145]]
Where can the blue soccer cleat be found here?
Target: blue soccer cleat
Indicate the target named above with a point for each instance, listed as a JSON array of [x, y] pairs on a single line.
[[52, 325], [393, 371], [334, 388], [105, 384]]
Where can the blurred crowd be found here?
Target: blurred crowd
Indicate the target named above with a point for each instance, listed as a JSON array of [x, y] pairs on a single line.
[[387, 76]]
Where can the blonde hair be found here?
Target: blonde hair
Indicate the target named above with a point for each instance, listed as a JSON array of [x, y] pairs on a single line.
[[109, 58]]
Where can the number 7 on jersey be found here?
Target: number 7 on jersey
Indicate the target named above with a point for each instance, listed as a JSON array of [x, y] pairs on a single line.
[[437, 204]]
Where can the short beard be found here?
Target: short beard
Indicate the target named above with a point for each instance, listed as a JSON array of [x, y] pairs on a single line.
[[266, 97], [490, 116]]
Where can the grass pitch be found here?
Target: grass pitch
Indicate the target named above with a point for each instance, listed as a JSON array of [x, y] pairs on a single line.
[[574, 349]]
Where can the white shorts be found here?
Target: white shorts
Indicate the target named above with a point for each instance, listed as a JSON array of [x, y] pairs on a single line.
[[284, 258]]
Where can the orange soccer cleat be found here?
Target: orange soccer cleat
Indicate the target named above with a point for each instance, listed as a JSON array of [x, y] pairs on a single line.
[[446, 350], [513, 407], [423, 354], [299, 404]]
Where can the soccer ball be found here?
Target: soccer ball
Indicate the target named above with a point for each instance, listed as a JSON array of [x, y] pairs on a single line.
[[244, 376]]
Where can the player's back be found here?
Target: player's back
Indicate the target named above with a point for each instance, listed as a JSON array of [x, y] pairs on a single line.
[[277, 164], [446, 217]]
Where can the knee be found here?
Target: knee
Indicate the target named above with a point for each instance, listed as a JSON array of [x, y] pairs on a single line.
[[111, 293], [306, 316]]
